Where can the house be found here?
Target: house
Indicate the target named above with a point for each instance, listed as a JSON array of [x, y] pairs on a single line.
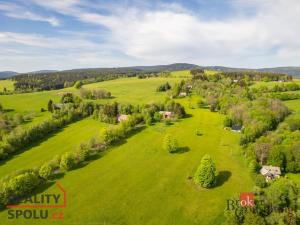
[[64, 93], [122, 117], [166, 114], [235, 81], [182, 94], [270, 172], [58, 106], [236, 128]]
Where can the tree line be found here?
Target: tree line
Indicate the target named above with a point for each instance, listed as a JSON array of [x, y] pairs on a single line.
[[62, 79]]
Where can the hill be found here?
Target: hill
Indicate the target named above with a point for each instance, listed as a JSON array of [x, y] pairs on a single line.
[[6, 74]]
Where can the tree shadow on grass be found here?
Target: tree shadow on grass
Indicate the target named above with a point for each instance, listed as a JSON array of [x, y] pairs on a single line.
[[188, 116], [17, 153], [8, 110], [181, 150], [222, 177]]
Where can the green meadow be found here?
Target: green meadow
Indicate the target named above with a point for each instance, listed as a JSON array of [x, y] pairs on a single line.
[[8, 84], [136, 182], [67, 139], [127, 90]]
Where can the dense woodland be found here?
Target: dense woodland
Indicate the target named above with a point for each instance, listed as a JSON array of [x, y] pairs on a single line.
[[58, 80], [240, 75], [270, 135]]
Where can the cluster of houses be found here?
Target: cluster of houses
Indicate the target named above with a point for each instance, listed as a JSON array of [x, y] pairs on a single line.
[[164, 115]]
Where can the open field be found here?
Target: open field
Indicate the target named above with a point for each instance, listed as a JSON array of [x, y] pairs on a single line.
[[139, 183], [8, 84], [181, 74], [68, 139], [272, 83], [131, 90]]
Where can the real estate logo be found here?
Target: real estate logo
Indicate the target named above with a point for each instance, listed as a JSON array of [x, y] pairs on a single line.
[[38, 206], [245, 202], [247, 199]]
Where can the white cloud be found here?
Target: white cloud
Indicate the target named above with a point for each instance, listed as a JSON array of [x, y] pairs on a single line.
[[18, 12], [171, 33]]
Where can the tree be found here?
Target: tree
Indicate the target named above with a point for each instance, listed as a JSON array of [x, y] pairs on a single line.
[[50, 106], [262, 151], [1, 107], [253, 219], [45, 171], [67, 161], [276, 157], [206, 172], [78, 84], [170, 144]]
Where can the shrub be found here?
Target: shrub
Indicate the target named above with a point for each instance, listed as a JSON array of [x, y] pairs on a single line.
[[19, 185], [67, 161], [83, 152], [78, 84], [260, 181], [206, 172], [293, 122], [170, 144], [113, 134], [45, 171]]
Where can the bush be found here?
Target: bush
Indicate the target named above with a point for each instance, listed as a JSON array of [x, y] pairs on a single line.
[[67, 161], [113, 134], [45, 171], [293, 122], [206, 173], [78, 84], [83, 152], [170, 144], [19, 185], [260, 181]]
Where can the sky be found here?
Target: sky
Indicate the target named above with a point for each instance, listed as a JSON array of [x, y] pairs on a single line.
[[67, 34]]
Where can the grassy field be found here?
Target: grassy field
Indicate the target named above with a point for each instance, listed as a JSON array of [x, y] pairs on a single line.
[[181, 74], [131, 90], [138, 182], [68, 139], [272, 83], [8, 84]]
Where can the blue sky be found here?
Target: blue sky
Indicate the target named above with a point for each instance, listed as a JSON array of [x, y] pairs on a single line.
[[66, 34]]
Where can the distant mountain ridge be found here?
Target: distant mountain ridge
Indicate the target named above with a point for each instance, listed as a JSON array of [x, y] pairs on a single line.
[[5, 74], [291, 70]]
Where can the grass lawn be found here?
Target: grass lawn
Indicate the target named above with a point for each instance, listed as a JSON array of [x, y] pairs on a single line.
[[138, 182], [8, 84], [68, 139]]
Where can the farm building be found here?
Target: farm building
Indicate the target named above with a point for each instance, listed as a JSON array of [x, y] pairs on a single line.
[[182, 94], [236, 128], [122, 117], [166, 114], [58, 106], [270, 172]]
